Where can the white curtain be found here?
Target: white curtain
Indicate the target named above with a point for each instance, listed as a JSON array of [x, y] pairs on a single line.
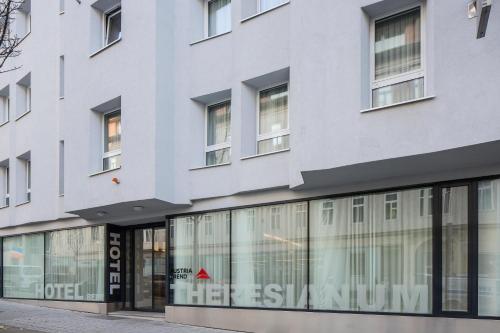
[[219, 17], [273, 114], [489, 248], [201, 242], [219, 123], [397, 44], [397, 93], [76, 257], [270, 256], [370, 264]]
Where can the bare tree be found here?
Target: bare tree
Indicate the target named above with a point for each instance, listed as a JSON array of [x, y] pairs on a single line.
[[9, 41]]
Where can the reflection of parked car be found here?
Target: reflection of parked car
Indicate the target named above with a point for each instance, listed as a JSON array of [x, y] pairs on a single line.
[[23, 277]]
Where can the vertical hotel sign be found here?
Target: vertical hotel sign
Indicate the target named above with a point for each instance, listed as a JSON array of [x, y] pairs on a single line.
[[116, 264]]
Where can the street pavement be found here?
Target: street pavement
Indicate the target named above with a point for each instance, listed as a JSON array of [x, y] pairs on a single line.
[[22, 318]]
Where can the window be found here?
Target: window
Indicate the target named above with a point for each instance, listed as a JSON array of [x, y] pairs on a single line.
[[112, 140], [273, 132], [269, 263], [328, 208], [4, 184], [61, 167], [200, 259], [425, 199], [28, 99], [74, 264], [264, 5], [61, 77], [391, 206], [370, 267], [398, 71], [61, 6], [358, 209], [218, 19], [485, 194], [28, 180], [446, 200], [23, 19], [4, 108], [218, 129], [112, 25], [23, 269]]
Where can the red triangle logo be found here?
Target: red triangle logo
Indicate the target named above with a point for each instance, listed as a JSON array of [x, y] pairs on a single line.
[[202, 275]]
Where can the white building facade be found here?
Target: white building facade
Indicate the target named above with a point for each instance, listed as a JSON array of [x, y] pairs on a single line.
[[255, 165]]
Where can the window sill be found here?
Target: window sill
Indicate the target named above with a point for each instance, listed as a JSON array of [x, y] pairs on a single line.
[[209, 38], [210, 166], [399, 104], [61, 12], [103, 172], [61, 97], [23, 115], [105, 47], [4, 123], [264, 12], [4, 207], [265, 154], [23, 203]]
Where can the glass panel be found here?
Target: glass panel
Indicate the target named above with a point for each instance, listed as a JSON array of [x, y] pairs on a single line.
[[274, 144], [489, 248], [219, 17], [397, 93], [143, 269], [112, 132], [23, 266], [220, 156], [273, 110], [200, 259], [268, 4], [114, 26], [269, 253], [112, 162], [455, 248], [74, 262], [379, 265], [159, 278], [397, 44], [219, 123]]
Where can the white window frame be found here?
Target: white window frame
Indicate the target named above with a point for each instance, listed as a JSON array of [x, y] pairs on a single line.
[[387, 218], [206, 19], [327, 211], [6, 109], [483, 188], [408, 76], [106, 16], [259, 9], [358, 207], [6, 194], [425, 198], [113, 153], [222, 145], [280, 133], [28, 98], [27, 165]]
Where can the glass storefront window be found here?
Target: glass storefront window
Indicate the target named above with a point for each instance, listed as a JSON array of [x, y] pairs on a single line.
[[375, 264], [74, 264], [199, 251], [269, 256], [23, 266], [489, 248]]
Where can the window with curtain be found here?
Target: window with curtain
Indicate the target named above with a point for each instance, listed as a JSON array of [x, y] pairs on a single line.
[[269, 256], [219, 17], [218, 144], [398, 72], [268, 4], [273, 130], [23, 266], [489, 248], [199, 253], [112, 140], [374, 265], [74, 264]]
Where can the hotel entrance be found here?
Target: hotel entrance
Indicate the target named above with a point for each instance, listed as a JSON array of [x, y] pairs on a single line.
[[146, 269]]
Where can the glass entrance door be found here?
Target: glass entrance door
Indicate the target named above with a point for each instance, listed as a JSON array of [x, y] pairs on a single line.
[[149, 269]]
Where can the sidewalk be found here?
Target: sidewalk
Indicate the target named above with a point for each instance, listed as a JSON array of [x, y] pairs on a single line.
[[21, 318]]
